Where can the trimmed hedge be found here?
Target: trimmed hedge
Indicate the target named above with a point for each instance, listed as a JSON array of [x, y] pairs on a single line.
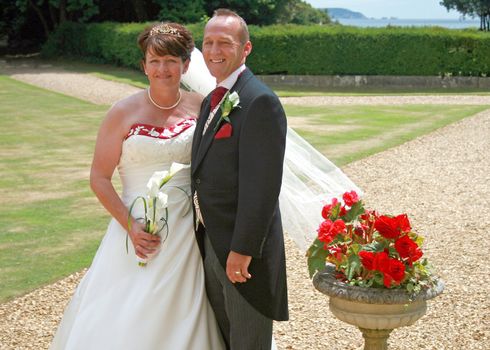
[[304, 50]]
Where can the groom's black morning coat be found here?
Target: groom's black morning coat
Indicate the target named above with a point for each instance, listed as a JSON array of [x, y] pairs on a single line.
[[238, 180]]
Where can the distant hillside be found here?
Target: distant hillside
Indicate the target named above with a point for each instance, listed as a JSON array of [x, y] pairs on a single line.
[[343, 13]]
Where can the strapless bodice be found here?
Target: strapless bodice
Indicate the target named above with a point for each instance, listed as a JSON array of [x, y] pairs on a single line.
[[147, 149]]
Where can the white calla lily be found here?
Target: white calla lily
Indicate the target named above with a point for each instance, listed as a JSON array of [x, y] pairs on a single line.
[[154, 182], [156, 203], [161, 201], [176, 167]]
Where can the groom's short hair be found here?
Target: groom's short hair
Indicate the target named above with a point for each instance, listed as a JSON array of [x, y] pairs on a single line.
[[244, 34]]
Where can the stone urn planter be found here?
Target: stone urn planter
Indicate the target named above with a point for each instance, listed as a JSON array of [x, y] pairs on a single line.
[[375, 311]]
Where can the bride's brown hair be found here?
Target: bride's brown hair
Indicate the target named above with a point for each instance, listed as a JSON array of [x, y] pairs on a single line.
[[166, 39]]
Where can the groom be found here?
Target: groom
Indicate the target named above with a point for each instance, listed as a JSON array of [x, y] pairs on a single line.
[[237, 161]]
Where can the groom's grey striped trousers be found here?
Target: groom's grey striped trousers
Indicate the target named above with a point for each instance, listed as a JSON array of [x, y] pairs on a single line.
[[243, 327]]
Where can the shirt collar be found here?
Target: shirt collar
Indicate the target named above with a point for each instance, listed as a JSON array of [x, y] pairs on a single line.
[[232, 78]]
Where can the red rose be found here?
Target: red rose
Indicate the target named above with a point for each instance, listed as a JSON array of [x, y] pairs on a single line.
[[381, 261], [328, 230], [324, 232], [336, 253], [327, 209], [394, 273], [387, 226], [403, 223], [350, 198], [338, 226], [408, 249], [367, 259], [390, 227]]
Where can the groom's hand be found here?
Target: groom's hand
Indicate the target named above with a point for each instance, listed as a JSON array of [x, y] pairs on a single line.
[[237, 267]]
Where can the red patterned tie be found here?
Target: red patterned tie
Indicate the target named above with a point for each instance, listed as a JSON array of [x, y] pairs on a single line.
[[217, 95]]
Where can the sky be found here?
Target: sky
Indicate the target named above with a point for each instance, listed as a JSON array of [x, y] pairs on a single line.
[[409, 9]]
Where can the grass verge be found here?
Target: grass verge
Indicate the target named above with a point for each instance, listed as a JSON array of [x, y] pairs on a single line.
[[348, 133], [52, 223]]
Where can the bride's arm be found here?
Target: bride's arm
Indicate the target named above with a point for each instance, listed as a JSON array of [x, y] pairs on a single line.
[[106, 157]]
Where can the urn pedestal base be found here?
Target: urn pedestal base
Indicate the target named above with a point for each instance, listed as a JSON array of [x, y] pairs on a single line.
[[375, 311], [375, 339]]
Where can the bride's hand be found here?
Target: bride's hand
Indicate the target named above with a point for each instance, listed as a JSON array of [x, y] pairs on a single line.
[[143, 242]]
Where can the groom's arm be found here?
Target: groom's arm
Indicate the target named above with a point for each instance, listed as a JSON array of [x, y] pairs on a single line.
[[261, 155]]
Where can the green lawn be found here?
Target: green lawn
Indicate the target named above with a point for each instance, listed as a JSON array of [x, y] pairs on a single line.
[[349, 133], [52, 223], [297, 91]]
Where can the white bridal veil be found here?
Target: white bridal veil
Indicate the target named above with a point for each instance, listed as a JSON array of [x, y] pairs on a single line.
[[309, 179]]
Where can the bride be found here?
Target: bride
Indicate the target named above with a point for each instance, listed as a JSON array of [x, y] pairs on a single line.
[[121, 305]]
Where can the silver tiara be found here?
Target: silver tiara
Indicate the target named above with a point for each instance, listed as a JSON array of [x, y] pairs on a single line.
[[164, 29]]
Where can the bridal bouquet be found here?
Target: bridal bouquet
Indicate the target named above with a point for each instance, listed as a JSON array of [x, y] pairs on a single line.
[[369, 249], [155, 204]]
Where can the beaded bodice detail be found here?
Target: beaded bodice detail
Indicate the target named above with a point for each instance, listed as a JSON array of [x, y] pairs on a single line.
[[147, 149]]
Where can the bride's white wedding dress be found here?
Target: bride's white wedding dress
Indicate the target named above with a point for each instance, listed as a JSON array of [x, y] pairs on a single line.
[[120, 305]]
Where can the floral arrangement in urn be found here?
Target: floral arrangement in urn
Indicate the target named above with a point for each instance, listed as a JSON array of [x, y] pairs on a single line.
[[369, 249]]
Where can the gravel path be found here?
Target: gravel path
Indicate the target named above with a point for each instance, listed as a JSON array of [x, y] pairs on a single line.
[[442, 180], [99, 91], [388, 100]]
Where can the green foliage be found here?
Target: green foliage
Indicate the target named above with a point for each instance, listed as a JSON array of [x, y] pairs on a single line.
[[184, 11], [369, 51], [308, 50], [34, 20], [356, 210], [353, 266], [472, 8], [68, 39], [107, 42], [260, 12], [316, 257], [300, 12], [266, 12], [28, 23]]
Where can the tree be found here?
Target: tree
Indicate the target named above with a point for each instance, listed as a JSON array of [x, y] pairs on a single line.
[[260, 12], [265, 12], [35, 19], [299, 12], [183, 11], [29, 22], [140, 10], [472, 8]]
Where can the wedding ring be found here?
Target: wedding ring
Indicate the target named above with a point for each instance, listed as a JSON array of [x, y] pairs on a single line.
[[238, 273]]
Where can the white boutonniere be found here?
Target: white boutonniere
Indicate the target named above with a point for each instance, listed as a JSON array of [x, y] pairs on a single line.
[[230, 102]]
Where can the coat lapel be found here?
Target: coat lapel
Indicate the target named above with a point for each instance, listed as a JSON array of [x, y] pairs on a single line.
[[206, 139], [202, 143], [198, 132]]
